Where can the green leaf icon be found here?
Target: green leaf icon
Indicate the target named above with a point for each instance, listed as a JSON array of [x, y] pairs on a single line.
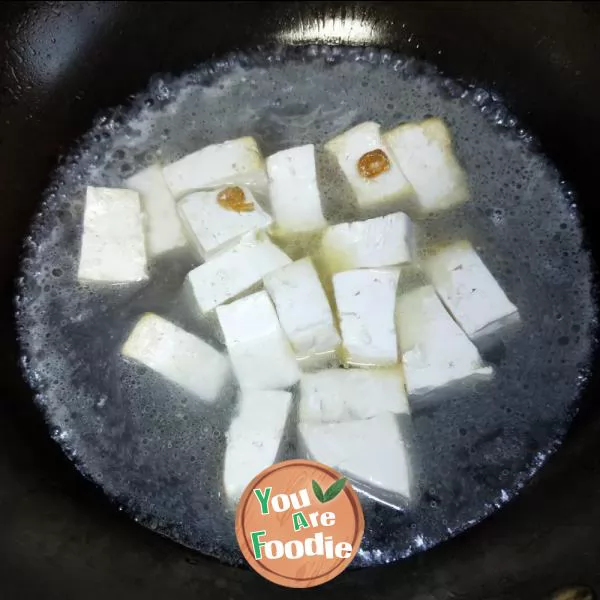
[[332, 491], [318, 491]]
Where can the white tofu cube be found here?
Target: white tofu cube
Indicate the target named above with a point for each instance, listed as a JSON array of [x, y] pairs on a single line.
[[261, 355], [213, 221], [469, 290], [236, 162], [370, 450], [435, 350], [163, 228], [336, 395], [370, 168], [378, 242], [366, 301], [424, 152], [179, 356], [303, 309], [112, 243], [295, 198], [234, 271], [254, 438]]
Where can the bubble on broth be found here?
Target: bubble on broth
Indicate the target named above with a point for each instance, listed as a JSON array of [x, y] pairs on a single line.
[[158, 451]]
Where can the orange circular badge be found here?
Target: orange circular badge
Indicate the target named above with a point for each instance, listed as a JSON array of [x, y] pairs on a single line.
[[299, 523]]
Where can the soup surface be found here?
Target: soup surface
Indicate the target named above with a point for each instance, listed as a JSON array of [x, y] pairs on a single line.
[[156, 450]]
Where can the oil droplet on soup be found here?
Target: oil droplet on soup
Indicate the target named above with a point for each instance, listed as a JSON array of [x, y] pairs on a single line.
[[373, 163]]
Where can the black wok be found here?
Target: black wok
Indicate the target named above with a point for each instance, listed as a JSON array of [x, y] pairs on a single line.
[[62, 64]]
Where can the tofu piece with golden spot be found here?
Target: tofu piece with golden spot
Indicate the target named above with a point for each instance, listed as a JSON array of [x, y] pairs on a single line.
[[369, 167], [214, 224]]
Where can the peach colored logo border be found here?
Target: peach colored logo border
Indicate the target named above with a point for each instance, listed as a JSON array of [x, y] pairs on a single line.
[[287, 478]]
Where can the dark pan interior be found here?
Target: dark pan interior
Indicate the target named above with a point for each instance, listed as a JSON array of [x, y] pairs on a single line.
[[62, 64]]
